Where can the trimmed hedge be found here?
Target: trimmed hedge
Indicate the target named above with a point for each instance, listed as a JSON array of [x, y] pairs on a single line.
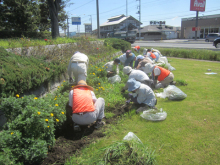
[[200, 54], [118, 44], [19, 73]]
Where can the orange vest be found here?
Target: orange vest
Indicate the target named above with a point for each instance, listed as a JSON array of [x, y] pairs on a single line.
[[137, 47], [152, 55], [82, 100], [163, 73]]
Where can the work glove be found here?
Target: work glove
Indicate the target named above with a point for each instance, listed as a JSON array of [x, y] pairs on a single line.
[[134, 99], [128, 101]]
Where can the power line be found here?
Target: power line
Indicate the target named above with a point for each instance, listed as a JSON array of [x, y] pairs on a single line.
[[83, 5]]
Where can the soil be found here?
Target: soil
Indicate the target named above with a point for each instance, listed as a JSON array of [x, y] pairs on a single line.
[[69, 142]]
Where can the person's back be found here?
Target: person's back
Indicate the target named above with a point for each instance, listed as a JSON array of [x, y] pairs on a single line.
[[138, 75]]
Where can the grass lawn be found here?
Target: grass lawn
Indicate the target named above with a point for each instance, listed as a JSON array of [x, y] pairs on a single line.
[[190, 134]]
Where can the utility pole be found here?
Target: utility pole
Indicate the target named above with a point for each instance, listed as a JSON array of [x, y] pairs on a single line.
[[67, 27], [91, 22], [98, 28], [139, 12], [197, 14], [127, 18]]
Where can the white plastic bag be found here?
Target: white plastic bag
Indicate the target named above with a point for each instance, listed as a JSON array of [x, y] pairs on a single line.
[[131, 136], [114, 79], [172, 92], [170, 68], [154, 115]]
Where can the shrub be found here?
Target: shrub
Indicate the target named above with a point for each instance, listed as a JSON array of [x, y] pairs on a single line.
[[118, 44], [29, 132], [19, 73]]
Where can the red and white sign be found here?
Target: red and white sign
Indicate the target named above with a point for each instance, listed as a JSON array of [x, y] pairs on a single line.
[[196, 28], [197, 5]]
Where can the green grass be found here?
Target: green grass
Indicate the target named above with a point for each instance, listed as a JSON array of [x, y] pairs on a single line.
[[190, 134]]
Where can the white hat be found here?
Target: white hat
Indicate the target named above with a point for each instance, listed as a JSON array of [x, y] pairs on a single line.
[[127, 69], [140, 57], [148, 68]]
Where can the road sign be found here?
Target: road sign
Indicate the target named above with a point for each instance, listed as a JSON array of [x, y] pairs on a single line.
[[88, 28], [76, 21], [196, 28], [197, 5]]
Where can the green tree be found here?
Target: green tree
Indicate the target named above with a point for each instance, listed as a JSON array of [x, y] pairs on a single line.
[[20, 15]]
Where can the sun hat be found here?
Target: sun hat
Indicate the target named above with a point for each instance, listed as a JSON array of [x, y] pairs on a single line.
[[117, 60], [148, 68], [127, 69], [82, 83], [140, 57], [129, 53], [133, 84]]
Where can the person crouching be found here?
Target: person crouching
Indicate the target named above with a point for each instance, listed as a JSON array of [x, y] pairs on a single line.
[[162, 75], [86, 108], [142, 95]]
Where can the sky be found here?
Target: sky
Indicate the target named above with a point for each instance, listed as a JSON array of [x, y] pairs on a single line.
[[170, 11]]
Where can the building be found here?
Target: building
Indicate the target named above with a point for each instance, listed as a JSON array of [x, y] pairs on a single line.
[[159, 32], [119, 23], [207, 24]]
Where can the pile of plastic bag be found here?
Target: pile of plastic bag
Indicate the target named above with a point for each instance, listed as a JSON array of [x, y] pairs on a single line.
[[172, 92], [114, 79], [154, 115]]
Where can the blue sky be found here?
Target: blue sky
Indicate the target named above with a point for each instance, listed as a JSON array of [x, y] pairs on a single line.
[[170, 11]]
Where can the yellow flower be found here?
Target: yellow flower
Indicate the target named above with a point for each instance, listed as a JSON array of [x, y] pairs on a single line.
[[61, 84], [56, 105], [99, 83], [35, 98], [99, 87], [96, 89], [90, 73], [58, 87], [103, 66], [98, 77], [51, 114], [38, 113], [46, 119], [57, 120], [55, 98], [17, 95], [93, 73], [22, 97], [103, 89], [12, 133], [48, 126], [64, 81]]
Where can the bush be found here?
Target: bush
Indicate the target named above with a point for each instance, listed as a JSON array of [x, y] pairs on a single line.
[[118, 44], [29, 132], [19, 73], [191, 53]]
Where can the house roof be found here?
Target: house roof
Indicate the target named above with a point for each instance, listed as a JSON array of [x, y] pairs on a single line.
[[117, 21], [156, 28]]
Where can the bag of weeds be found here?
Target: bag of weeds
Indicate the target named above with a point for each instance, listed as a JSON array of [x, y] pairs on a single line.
[[114, 79], [172, 92], [131, 136], [154, 115]]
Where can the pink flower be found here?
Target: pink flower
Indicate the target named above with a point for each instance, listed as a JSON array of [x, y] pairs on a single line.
[[45, 39], [97, 48]]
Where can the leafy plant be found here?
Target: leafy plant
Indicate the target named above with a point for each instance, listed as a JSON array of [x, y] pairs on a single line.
[[29, 132]]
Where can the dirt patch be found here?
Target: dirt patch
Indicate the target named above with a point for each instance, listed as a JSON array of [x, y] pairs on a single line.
[[68, 141]]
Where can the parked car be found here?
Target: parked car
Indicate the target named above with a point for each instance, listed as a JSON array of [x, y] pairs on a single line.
[[216, 43], [211, 36]]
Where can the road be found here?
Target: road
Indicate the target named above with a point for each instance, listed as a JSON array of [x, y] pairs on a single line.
[[177, 43]]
